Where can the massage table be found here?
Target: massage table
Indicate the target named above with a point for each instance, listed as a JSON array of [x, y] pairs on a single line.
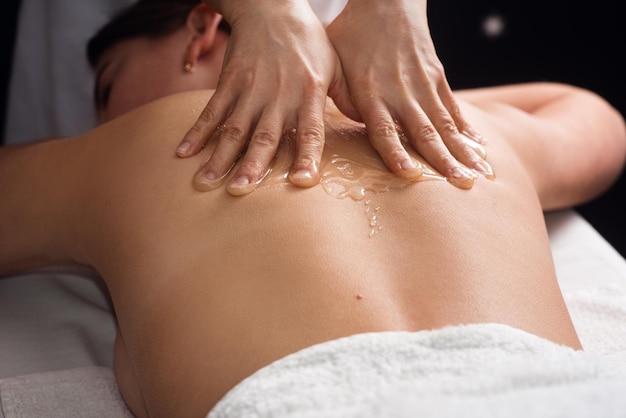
[[57, 326]]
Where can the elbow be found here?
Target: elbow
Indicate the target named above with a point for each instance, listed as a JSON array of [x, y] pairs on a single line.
[[609, 155]]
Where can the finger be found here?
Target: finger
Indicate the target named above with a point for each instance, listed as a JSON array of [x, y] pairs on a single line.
[[232, 140], [455, 142], [450, 103], [211, 117], [310, 140], [425, 138], [383, 135], [261, 151]]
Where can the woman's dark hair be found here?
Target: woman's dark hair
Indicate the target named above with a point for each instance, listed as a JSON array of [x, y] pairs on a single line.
[[146, 18]]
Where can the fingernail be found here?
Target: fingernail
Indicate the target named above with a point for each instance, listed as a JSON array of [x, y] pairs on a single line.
[[303, 174], [462, 178], [207, 181], [461, 173], [408, 164], [210, 176], [183, 148], [302, 177], [240, 185], [484, 168], [410, 170], [241, 181], [472, 134]]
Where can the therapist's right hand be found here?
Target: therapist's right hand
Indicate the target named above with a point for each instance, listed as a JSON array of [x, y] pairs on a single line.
[[395, 79], [278, 69]]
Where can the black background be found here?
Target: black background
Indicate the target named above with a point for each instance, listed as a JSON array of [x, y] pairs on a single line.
[[580, 43]]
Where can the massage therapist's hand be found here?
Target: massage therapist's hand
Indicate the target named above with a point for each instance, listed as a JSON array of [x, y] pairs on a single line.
[[395, 78], [277, 71]]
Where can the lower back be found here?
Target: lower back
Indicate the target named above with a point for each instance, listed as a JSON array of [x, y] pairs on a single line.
[[209, 288]]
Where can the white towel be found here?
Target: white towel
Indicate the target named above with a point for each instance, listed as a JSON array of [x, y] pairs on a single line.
[[473, 370], [599, 316]]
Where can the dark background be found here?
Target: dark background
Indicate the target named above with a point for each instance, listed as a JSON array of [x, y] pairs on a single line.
[[8, 15], [575, 42]]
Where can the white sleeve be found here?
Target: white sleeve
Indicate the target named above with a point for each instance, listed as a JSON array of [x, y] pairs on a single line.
[[327, 10]]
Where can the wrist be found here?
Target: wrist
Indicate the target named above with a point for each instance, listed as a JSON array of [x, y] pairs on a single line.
[[234, 10], [388, 7]]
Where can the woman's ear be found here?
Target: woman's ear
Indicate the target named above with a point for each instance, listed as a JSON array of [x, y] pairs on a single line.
[[203, 24]]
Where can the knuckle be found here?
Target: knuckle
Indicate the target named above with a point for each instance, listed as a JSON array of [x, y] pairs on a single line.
[[427, 134], [385, 129], [315, 83], [208, 116], [232, 133], [265, 139], [436, 72], [311, 137], [447, 128]]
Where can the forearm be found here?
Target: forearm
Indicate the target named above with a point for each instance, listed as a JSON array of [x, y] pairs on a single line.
[[598, 147], [571, 140], [34, 191], [587, 151]]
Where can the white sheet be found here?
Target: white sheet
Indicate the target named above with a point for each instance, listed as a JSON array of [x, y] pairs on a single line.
[[54, 321], [77, 393]]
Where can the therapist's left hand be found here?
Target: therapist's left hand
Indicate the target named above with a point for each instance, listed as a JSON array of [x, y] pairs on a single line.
[[277, 71]]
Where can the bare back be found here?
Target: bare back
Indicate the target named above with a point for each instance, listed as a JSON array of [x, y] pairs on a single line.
[[208, 288]]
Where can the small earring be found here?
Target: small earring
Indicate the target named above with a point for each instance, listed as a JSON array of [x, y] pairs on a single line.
[[189, 68]]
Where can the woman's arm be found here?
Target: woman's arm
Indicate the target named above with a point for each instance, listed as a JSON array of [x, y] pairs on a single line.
[[572, 142], [35, 191]]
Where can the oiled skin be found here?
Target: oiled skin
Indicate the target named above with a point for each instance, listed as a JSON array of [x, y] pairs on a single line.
[[208, 288]]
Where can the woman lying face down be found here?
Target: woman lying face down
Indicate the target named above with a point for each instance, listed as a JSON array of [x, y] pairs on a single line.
[[209, 288]]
